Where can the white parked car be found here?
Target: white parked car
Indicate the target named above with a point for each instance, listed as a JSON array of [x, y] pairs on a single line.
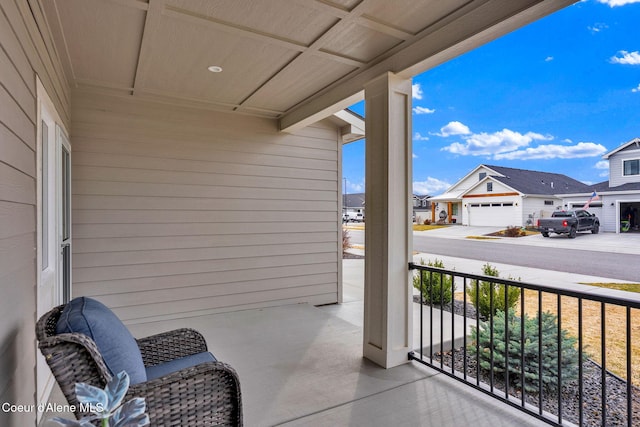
[[352, 217]]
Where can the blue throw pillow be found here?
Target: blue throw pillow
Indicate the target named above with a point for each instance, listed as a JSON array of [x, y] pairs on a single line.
[[116, 344]]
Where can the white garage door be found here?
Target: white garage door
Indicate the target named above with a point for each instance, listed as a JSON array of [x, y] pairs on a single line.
[[594, 208], [495, 214]]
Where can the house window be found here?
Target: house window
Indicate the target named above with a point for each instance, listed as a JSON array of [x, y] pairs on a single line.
[[548, 202], [482, 176], [489, 186], [631, 167]]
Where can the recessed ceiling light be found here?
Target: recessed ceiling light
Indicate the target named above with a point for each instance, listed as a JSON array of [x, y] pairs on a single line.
[[215, 69]]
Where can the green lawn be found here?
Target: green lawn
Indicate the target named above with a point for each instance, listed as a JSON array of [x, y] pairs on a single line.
[[629, 287], [422, 227]]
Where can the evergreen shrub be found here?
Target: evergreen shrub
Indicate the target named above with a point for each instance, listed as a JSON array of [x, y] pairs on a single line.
[[480, 294], [435, 286], [512, 341]]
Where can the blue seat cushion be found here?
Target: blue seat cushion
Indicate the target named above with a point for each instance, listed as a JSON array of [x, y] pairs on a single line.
[[176, 365], [118, 347]]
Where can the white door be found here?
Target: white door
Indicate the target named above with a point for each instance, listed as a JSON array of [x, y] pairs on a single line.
[[54, 222]]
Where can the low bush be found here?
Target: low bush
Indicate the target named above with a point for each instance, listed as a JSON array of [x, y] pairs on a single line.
[[510, 344], [513, 231], [435, 287], [480, 294], [427, 222], [346, 239]]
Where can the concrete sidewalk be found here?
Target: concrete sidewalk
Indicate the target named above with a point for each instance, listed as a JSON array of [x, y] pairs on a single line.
[[353, 275]]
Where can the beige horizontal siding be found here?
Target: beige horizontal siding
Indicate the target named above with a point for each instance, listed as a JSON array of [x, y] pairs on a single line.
[[148, 216], [92, 231], [84, 246], [23, 54], [226, 276], [180, 212], [16, 152], [180, 269]]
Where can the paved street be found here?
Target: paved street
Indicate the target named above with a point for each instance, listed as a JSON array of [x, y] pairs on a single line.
[[607, 255]]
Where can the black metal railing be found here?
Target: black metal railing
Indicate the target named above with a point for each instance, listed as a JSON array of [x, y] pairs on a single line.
[[564, 356]]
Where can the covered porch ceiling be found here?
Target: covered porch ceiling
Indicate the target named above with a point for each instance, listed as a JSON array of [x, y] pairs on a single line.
[[293, 60]]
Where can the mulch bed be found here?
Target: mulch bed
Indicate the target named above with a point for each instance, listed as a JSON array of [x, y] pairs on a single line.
[[347, 255], [616, 388], [616, 393]]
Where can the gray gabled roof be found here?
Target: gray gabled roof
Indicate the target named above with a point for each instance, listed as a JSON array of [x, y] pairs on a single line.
[[634, 141], [602, 187], [536, 182], [354, 200]]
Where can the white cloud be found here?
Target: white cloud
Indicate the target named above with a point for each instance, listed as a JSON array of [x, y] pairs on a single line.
[[430, 186], [597, 27], [492, 144], [602, 165], [415, 156], [554, 151], [636, 89], [548, 59], [353, 187], [614, 3], [510, 145], [454, 128], [423, 110], [416, 91], [418, 137], [567, 140], [627, 58]]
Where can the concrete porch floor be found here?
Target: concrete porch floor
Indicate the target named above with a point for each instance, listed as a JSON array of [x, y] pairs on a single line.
[[301, 365]]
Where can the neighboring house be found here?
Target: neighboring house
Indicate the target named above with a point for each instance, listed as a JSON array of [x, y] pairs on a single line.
[[421, 207], [353, 203], [501, 196], [618, 203]]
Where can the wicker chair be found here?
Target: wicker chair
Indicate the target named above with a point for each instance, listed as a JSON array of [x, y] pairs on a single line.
[[207, 394]]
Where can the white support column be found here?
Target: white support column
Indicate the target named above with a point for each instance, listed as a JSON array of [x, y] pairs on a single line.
[[388, 298]]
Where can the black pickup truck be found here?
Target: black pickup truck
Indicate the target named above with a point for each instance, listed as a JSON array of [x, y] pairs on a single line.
[[569, 223]]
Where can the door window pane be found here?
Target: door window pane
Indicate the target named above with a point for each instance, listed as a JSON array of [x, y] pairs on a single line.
[[66, 187], [45, 195]]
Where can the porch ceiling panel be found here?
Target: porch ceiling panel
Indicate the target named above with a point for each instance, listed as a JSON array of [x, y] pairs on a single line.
[[283, 19], [181, 49], [289, 59], [302, 77], [360, 43], [410, 15], [102, 41]]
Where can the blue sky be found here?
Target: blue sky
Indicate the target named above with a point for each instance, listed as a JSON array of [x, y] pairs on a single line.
[[553, 96]]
